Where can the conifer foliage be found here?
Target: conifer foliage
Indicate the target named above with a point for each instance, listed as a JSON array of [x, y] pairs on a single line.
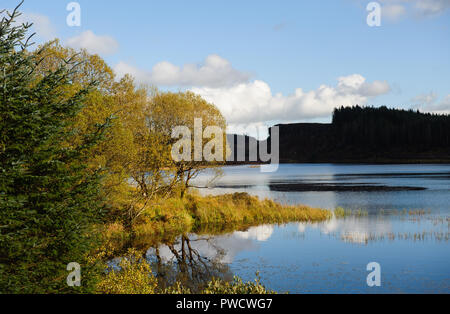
[[48, 196]]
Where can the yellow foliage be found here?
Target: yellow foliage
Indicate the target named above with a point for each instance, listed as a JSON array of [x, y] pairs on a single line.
[[237, 286], [134, 277]]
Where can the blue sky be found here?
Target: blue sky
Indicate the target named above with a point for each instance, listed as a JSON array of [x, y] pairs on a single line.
[[271, 47]]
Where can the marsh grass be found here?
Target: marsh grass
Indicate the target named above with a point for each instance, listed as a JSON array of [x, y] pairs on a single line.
[[221, 213], [340, 212]]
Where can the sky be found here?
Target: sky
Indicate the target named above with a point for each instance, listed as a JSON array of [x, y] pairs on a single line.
[[263, 62]]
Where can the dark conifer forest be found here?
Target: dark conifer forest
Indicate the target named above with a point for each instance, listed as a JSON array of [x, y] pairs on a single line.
[[369, 134]]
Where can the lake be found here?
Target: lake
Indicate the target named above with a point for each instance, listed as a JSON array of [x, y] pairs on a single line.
[[404, 228]]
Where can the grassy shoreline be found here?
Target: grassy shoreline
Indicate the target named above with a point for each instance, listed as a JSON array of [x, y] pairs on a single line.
[[195, 213], [168, 220]]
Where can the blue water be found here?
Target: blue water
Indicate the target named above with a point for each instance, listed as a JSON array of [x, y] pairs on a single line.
[[436, 178], [412, 248]]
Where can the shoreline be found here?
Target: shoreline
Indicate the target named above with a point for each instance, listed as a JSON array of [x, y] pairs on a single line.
[[235, 211]]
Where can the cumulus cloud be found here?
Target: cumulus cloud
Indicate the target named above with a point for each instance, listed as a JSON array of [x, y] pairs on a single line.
[[42, 25], [254, 102], [257, 130], [215, 71], [94, 44], [250, 106]]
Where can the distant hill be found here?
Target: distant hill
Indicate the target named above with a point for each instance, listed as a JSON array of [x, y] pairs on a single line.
[[372, 135], [239, 145]]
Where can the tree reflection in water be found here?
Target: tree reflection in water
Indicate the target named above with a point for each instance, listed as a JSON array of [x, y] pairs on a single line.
[[182, 261]]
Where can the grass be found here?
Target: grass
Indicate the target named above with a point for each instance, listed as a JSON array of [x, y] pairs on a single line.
[[196, 213], [340, 212], [165, 221]]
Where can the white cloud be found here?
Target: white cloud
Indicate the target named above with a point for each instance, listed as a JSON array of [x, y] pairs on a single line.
[[431, 7], [255, 103], [42, 25], [442, 107], [257, 130], [425, 99], [357, 84], [215, 71], [94, 44], [428, 102], [395, 9], [375, 88], [393, 12]]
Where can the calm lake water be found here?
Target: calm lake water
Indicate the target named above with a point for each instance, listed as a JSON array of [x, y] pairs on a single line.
[[406, 230]]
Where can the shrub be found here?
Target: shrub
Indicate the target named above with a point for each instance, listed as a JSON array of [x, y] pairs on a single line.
[[134, 277]]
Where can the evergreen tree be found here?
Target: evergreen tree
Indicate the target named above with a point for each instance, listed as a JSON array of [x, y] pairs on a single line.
[[48, 197]]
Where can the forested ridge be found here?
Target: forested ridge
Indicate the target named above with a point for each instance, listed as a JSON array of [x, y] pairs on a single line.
[[368, 134]]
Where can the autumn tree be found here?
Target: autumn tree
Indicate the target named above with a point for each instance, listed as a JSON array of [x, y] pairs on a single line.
[[122, 100], [169, 110], [139, 143]]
